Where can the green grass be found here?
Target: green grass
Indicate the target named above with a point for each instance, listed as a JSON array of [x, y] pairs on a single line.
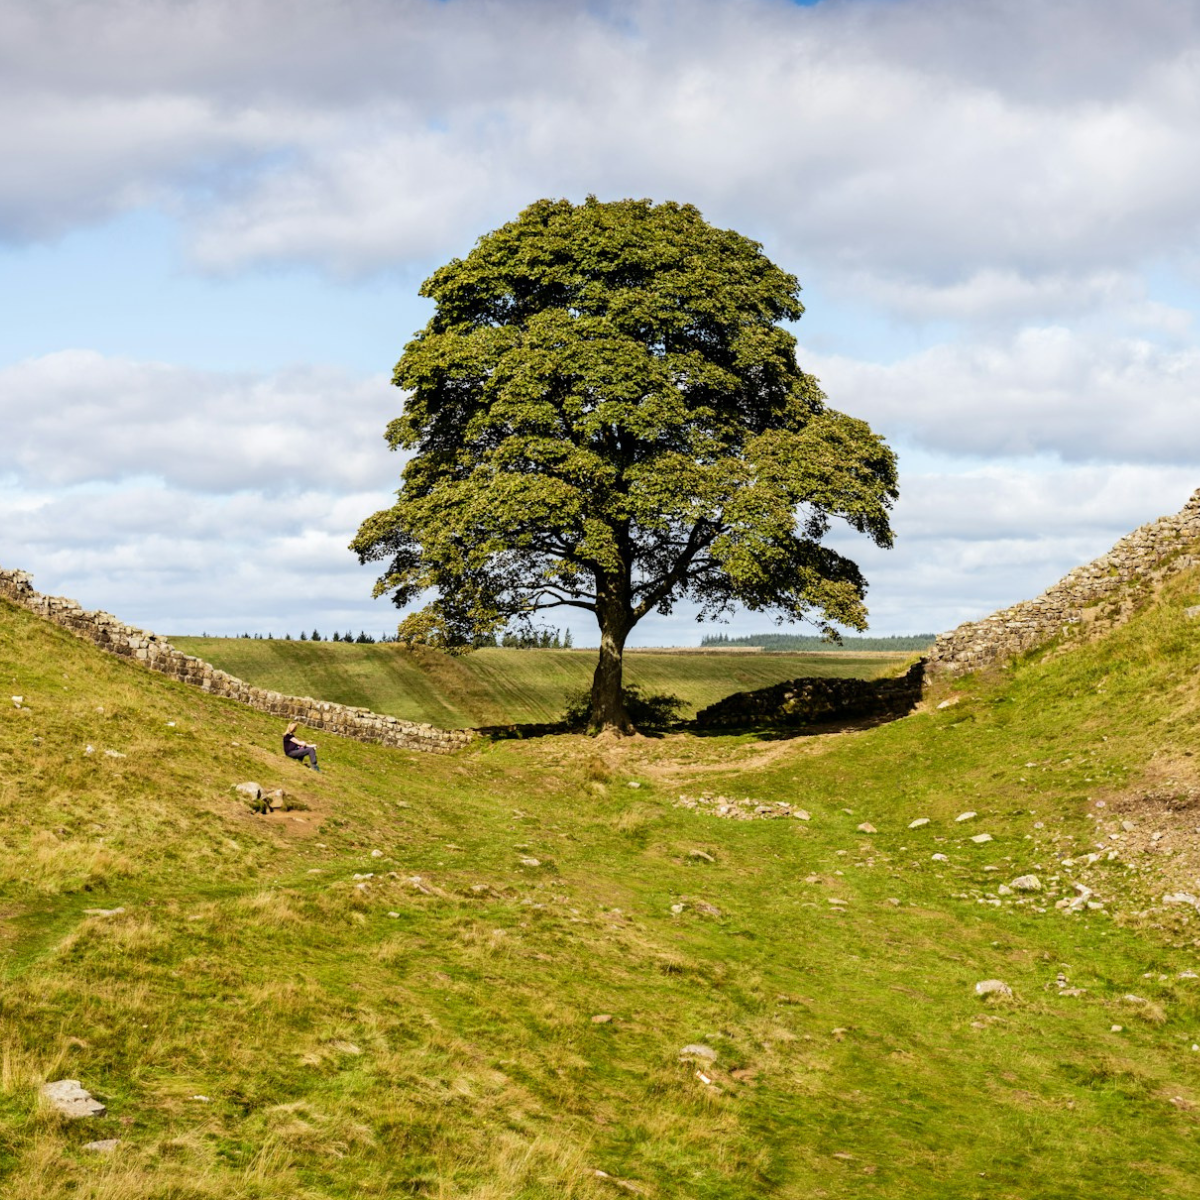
[[449, 1050], [495, 687]]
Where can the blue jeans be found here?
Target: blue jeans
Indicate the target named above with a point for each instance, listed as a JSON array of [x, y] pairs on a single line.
[[303, 753]]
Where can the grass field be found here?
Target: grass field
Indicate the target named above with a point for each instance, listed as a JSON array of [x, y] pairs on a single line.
[[495, 687], [473, 976]]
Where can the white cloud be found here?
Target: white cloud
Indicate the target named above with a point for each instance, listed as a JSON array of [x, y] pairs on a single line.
[[77, 416], [1008, 152], [1043, 391]]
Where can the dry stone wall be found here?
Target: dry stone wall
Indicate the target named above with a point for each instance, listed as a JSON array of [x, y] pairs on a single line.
[[1102, 592], [810, 701], [106, 631]]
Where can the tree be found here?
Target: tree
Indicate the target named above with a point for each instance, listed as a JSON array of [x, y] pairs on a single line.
[[605, 412]]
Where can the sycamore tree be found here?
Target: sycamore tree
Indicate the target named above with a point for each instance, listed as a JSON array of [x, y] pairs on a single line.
[[605, 412]]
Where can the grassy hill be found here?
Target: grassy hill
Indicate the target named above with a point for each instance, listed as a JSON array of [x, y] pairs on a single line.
[[472, 976], [495, 687]]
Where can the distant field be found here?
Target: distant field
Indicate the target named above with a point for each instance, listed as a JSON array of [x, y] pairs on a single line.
[[494, 687]]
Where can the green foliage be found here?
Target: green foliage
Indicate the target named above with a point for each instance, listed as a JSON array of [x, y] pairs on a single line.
[[606, 412], [658, 711]]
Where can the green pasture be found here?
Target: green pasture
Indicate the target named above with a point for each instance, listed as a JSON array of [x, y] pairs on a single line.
[[472, 976], [496, 686]]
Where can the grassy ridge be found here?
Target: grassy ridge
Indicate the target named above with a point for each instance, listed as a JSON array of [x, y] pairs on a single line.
[[496, 686], [380, 1037]]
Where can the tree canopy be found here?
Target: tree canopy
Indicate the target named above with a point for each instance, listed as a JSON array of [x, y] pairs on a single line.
[[605, 412]]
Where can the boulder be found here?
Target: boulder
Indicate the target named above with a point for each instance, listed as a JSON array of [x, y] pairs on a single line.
[[69, 1097]]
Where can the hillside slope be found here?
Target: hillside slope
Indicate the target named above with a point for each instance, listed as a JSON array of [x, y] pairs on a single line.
[[473, 976], [496, 687]]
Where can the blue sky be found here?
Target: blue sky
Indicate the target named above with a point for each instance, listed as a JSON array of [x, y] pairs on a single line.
[[215, 219]]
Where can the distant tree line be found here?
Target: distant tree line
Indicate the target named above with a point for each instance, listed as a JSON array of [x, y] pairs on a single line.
[[795, 641], [526, 639]]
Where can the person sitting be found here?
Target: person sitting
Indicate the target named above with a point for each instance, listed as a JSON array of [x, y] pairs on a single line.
[[293, 747]]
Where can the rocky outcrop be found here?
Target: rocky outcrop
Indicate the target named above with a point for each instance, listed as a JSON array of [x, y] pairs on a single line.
[[812, 701], [127, 641], [1101, 593]]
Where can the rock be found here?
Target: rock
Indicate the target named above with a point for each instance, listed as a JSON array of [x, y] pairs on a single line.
[[393, 915], [107, 1146], [700, 856], [376, 853], [835, 901], [698, 1050], [276, 801], [114, 754], [633, 784], [967, 816], [602, 1018], [364, 875], [948, 703], [530, 862], [1192, 612], [801, 815], [939, 858], [18, 701], [980, 838], [705, 909], [1027, 883], [1004, 890], [250, 790], [992, 987], [103, 912], [919, 823], [867, 827], [70, 1098], [1117, 1028], [893, 900], [677, 909], [1181, 898]]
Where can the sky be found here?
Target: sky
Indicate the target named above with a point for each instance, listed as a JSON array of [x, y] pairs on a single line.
[[215, 216]]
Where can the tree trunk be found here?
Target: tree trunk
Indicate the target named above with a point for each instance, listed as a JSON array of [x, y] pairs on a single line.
[[608, 704]]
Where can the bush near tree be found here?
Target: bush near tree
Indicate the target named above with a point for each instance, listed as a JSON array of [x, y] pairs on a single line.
[[605, 413]]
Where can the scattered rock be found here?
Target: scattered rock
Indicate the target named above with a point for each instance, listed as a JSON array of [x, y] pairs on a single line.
[[1027, 883], [867, 827], [698, 1050], [919, 823], [1004, 890], [939, 858], [980, 838], [69, 1097], [967, 816], [700, 856], [992, 987], [250, 790], [107, 1146]]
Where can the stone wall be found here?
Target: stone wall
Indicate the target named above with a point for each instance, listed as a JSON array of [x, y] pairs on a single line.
[[104, 630], [811, 701], [1100, 594]]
